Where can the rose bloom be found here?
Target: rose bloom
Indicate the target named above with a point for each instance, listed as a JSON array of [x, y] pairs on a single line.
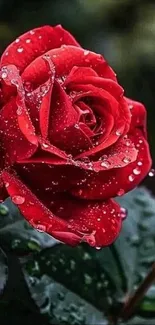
[[70, 141]]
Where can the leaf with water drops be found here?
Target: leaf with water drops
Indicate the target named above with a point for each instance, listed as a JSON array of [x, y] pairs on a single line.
[[77, 269], [55, 301]]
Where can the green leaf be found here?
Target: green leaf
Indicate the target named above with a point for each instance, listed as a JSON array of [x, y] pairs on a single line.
[[60, 305], [135, 247], [17, 235], [3, 271], [76, 268]]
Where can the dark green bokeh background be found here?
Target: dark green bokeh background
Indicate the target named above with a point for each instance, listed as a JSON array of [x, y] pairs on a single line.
[[122, 30]]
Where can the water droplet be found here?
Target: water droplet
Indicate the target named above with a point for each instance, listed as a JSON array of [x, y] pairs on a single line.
[[17, 40], [28, 40], [136, 171], [105, 164], [20, 50], [118, 132], [139, 163], [120, 192], [98, 248], [151, 172], [126, 160], [19, 111], [123, 213], [3, 210], [128, 143], [17, 199], [32, 32], [40, 228], [4, 75], [6, 184], [34, 245], [15, 243], [130, 106], [45, 145], [131, 178], [86, 52]]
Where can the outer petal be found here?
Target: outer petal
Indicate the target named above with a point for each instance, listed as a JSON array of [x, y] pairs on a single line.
[[15, 144], [98, 223], [118, 155], [107, 184], [36, 213], [34, 43], [138, 112], [64, 59]]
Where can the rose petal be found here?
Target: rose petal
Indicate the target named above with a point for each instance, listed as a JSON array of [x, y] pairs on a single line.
[[15, 144], [107, 184], [64, 130], [34, 43], [83, 75], [138, 119], [119, 155], [64, 59], [106, 102], [98, 222]]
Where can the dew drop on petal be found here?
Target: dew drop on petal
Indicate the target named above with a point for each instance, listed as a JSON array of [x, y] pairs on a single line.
[[130, 106], [128, 143], [131, 178], [45, 145], [40, 228], [86, 52], [19, 111], [105, 164], [120, 192], [98, 248], [136, 171], [118, 133], [20, 50], [123, 213], [17, 40], [17, 199], [28, 41], [126, 160], [151, 172], [4, 75], [139, 163], [7, 185]]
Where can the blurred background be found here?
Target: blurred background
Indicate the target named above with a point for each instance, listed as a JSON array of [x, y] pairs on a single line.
[[122, 30]]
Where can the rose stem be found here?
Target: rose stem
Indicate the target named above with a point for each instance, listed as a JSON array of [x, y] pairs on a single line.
[[132, 301]]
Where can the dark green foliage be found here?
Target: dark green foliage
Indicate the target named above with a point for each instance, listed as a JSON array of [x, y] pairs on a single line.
[[77, 285]]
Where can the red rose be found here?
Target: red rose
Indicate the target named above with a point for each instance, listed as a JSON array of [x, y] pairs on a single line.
[[69, 139]]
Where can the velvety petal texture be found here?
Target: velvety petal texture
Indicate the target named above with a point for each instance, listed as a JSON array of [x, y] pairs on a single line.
[[69, 139]]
